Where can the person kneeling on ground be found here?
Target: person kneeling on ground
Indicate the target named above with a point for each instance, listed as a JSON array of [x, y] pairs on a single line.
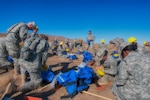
[[132, 79], [107, 68], [38, 48]]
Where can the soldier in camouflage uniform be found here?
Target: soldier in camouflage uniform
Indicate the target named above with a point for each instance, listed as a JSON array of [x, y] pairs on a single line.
[[68, 45], [31, 64], [103, 45], [146, 43], [107, 64], [132, 79], [71, 45], [54, 46], [99, 52], [140, 49], [115, 46], [61, 50], [79, 46], [16, 34], [39, 46], [116, 42], [90, 42]]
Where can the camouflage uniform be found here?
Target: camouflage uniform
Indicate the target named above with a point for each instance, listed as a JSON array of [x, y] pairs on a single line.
[[110, 65], [102, 45], [33, 66], [4, 63], [60, 50], [67, 45], [132, 80], [110, 69], [91, 38], [16, 33], [71, 46], [117, 42], [54, 46], [79, 45], [99, 55], [142, 50]]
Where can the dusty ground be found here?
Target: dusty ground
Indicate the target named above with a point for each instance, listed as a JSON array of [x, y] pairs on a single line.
[[47, 93]]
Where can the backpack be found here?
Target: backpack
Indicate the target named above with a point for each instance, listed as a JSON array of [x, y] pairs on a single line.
[[69, 80], [87, 56], [85, 77], [76, 81], [47, 75], [28, 50]]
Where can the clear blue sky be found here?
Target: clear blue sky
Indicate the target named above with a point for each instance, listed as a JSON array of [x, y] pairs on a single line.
[[73, 18]]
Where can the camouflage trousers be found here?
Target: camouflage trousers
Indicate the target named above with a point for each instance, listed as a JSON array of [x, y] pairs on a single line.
[[4, 63], [13, 49], [124, 93], [79, 48], [34, 75]]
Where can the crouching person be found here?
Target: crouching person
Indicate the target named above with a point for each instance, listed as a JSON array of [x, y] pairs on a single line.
[[15, 34], [106, 66], [132, 79], [33, 56], [61, 50]]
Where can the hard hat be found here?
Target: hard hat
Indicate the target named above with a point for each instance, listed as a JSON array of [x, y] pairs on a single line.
[[100, 72], [67, 50], [115, 54], [144, 42], [61, 43], [132, 40], [102, 40]]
